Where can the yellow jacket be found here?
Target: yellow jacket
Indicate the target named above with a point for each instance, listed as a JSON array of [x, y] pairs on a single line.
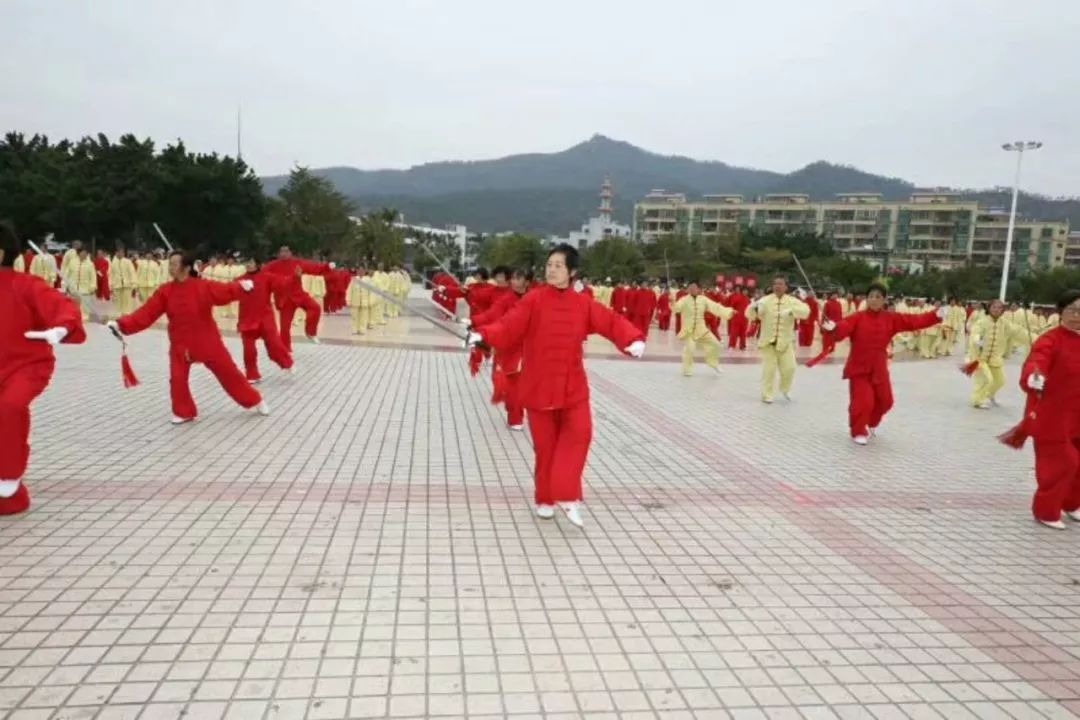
[[44, 267], [20, 264], [778, 316], [691, 312], [357, 295], [956, 318], [69, 257], [81, 276], [121, 273], [146, 274], [991, 340]]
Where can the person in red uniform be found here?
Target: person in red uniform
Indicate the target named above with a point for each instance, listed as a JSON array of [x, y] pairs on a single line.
[[713, 322], [619, 299], [1051, 379], [291, 268], [663, 309], [832, 312], [33, 318], [101, 269], [256, 319], [550, 325], [738, 324], [188, 302], [867, 368], [808, 326], [506, 367], [445, 292]]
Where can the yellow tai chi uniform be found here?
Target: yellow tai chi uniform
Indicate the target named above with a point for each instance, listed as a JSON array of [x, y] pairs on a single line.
[[695, 332], [777, 341], [990, 342]]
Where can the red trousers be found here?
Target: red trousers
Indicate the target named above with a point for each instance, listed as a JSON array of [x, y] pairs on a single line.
[[806, 333], [16, 394], [736, 332], [268, 333], [311, 318], [1057, 472], [515, 414], [663, 321], [869, 403], [220, 363], [561, 439]]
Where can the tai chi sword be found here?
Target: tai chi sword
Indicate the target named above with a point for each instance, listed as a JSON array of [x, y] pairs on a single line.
[[455, 330]]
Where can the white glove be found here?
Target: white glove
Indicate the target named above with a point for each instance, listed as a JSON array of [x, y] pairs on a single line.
[[828, 325], [1036, 382], [636, 349], [247, 285], [333, 266], [440, 288], [473, 340], [465, 321], [53, 336], [801, 294], [114, 326], [578, 286]]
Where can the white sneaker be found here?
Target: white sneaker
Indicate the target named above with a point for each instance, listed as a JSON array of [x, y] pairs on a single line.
[[767, 400], [517, 428], [314, 340], [545, 512], [177, 420], [984, 405], [572, 511], [1071, 514], [262, 408], [860, 439], [8, 488], [1055, 524]]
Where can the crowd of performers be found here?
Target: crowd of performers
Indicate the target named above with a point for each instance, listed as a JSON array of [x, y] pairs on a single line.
[[534, 333]]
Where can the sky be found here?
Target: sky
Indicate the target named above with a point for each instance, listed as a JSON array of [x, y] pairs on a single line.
[[926, 90]]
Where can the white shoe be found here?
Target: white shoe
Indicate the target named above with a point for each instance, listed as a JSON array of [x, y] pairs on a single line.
[[1055, 524], [177, 420], [8, 488], [262, 408], [314, 340], [545, 512], [860, 439], [572, 511], [517, 428], [984, 405], [767, 400], [1071, 514]]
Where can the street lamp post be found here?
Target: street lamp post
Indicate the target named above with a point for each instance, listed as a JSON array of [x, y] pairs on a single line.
[[1018, 147]]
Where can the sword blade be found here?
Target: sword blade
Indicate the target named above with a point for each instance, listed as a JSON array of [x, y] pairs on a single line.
[[163, 238], [454, 330]]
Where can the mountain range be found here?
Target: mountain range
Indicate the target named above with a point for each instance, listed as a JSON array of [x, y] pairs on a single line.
[[556, 192]]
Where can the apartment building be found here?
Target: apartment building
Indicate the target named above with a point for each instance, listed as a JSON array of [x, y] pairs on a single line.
[[929, 230], [1072, 249]]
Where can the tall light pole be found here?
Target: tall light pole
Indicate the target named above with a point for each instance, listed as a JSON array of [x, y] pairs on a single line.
[[1018, 147]]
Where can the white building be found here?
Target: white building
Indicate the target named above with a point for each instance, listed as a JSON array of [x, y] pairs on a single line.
[[597, 228]]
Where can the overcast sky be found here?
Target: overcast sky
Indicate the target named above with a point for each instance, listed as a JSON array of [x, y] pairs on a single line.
[[922, 89]]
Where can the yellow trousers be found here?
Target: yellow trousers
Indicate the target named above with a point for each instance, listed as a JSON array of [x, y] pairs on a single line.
[[378, 312], [125, 303], [712, 352], [988, 380], [771, 362], [144, 294], [927, 345], [361, 317]]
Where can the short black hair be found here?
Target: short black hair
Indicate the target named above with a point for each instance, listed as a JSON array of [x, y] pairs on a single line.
[[877, 287], [503, 270], [569, 253], [1067, 298], [519, 273], [482, 272], [187, 259], [9, 243]]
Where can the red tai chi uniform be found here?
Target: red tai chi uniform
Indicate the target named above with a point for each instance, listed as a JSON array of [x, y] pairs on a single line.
[[101, 269], [1056, 422], [550, 326], [26, 366], [506, 369], [867, 367], [256, 322], [807, 326], [295, 298], [194, 337], [737, 325], [663, 311]]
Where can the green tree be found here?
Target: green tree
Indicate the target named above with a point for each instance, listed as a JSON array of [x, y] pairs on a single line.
[[614, 257], [517, 251], [377, 240], [1043, 287], [838, 271], [311, 217]]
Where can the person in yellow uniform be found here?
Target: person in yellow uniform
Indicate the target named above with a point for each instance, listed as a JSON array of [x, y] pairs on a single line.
[[691, 309], [992, 336], [81, 279], [928, 338], [777, 312], [381, 281], [318, 289], [122, 282], [359, 299], [952, 328], [393, 286], [146, 277], [70, 256]]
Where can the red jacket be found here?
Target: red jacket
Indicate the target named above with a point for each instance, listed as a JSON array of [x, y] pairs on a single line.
[[255, 306], [479, 297], [1056, 355], [871, 333], [618, 299], [815, 309], [833, 310], [663, 303], [509, 360], [738, 302], [28, 303], [189, 306], [292, 269], [551, 327]]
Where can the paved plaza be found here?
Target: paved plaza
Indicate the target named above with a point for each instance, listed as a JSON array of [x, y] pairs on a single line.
[[369, 550]]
